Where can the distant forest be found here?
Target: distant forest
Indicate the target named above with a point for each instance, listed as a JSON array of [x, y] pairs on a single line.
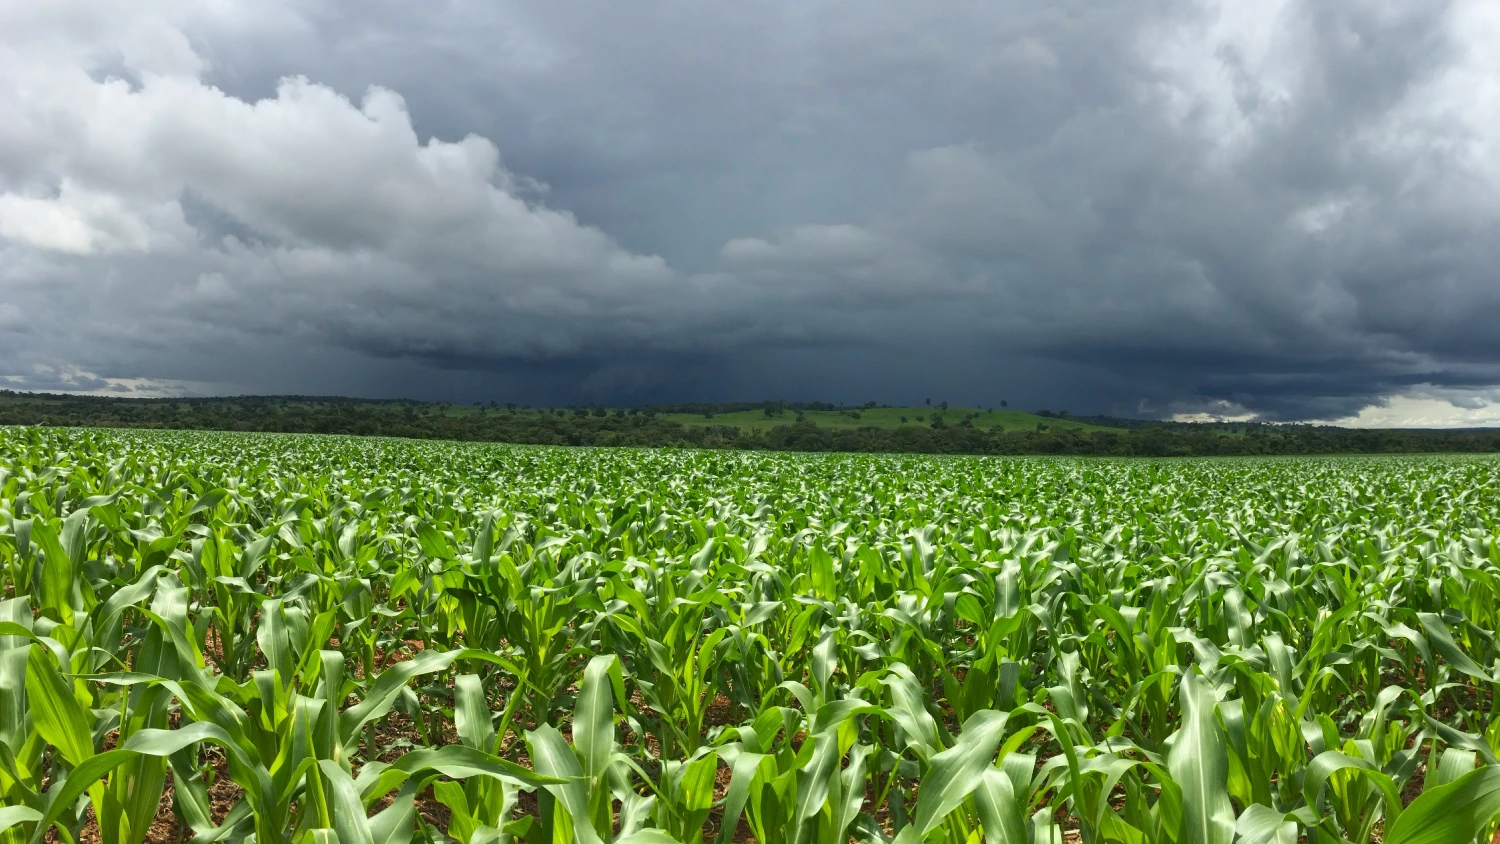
[[646, 427]]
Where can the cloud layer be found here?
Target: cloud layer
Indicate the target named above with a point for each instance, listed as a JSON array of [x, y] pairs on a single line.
[[1282, 209]]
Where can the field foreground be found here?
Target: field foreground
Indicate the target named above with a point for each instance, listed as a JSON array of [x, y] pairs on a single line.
[[225, 637]]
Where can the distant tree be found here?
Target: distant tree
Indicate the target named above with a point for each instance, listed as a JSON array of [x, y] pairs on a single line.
[[768, 411], [937, 422], [1063, 413], [801, 417], [943, 405], [1004, 403], [921, 418], [620, 413], [869, 405], [600, 412], [903, 420], [929, 402], [1041, 426], [1044, 412]]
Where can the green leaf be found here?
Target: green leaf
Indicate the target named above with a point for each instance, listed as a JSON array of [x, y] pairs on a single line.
[[384, 691], [62, 796], [56, 583], [459, 762], [471, 713], [908, 709], [1452, 764], [393, 824], [275, 640], [999, 812], [54, 710], [1441, 640], [742, 774], [349, 818], [1260, 824], [12, 815], [957, 771], [552, 757], [433, 542], [1199, 764], [593, 715], [647, 836], [1326, 763], [1451, 813], [461, 822], [208, 501]]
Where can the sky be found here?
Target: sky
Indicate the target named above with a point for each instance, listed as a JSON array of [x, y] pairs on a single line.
[[1278, 210]]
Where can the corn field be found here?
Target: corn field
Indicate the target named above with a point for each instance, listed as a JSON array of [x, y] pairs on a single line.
[[227, 638]]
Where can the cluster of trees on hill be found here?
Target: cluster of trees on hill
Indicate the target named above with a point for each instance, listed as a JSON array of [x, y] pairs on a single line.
[[644, 427]]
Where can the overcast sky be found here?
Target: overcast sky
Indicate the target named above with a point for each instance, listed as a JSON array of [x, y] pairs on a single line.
[[1279, 209]]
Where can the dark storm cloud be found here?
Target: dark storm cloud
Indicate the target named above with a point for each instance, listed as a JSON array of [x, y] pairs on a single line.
[[1284, 209]]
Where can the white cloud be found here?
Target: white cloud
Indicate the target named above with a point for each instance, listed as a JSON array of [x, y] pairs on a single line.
[[83, 221], [1221, 410], [45, 223], [1423, 409], [147, 204]]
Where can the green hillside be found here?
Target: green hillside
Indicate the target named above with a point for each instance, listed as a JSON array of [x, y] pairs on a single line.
[[887, 417]]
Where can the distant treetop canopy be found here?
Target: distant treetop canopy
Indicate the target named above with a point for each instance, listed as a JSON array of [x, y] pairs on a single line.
[[647, 426]]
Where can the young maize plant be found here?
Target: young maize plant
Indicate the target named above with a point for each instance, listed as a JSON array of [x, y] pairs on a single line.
[[314, 640]]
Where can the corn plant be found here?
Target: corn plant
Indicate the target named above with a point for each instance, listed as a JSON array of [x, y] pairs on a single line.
[[322, 639]]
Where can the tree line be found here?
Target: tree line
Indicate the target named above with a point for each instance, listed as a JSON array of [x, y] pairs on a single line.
[[621, 428]]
